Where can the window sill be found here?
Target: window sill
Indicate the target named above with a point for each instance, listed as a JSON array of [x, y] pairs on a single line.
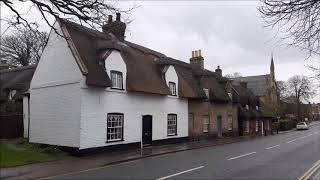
[[109, 142], [120, 89], [170, 135]]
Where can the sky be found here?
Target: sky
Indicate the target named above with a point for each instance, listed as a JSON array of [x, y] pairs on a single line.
[[230, 34]]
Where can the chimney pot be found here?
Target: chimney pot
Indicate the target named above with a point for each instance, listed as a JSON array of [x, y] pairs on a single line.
[[118, 16], [109, 19], [197, 59]]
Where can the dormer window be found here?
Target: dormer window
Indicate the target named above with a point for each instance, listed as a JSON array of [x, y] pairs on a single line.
[[247, 107], [173, 89], [206, 91], [116, 79]]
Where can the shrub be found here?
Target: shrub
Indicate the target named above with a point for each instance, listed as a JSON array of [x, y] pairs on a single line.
[[11, 107], [285, 125]]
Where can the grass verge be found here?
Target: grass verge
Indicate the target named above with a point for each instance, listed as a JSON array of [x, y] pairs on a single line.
[[20, 152]]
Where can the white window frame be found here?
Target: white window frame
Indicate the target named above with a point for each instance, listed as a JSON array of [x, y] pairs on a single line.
[[115, 127], [191, 118], [116, 79], [12, 93], [206, 123], [206, 91], [173, 88], [247, 126], [172, 120], [257, 126], [247, 107], [230, 122]]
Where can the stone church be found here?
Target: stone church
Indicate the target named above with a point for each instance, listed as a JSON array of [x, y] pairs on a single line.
[[264, 87]]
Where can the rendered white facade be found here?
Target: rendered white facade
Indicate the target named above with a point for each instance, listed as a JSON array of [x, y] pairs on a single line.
[[66, 112]]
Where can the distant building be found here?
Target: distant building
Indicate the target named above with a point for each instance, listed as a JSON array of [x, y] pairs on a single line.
[[315, 111], [265, 88]]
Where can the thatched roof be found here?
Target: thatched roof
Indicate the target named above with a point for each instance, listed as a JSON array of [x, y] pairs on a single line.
[[144, 66]]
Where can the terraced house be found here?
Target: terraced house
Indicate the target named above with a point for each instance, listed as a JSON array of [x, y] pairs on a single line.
[[95, 89]]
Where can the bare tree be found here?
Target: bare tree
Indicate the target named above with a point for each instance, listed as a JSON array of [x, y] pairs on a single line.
[[233, 75], [299, 20], [91, 12], [301, 88], [23, 47], [282, 90]]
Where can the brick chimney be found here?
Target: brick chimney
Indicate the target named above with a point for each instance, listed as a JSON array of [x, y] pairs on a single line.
[[117, 27], [197, 59], [219, 71], [243, 84]]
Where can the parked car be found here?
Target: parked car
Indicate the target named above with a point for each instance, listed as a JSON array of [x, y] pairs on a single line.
[[302, 126]]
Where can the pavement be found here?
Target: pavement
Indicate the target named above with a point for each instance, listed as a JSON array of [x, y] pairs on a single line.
[[158, 161]]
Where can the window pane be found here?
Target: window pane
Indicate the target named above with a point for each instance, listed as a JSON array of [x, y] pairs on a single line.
[[172, 124], [172, 87], [114, 127], [116, 79]]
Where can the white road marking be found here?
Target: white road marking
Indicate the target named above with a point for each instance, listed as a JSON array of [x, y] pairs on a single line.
[[243, 155], [291, 141], [303, 137], [273, 146], [179, 173]]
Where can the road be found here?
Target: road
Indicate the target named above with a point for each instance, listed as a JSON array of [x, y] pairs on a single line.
[[284, 156]]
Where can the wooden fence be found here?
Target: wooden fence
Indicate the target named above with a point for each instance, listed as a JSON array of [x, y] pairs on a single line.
[[11, 125]]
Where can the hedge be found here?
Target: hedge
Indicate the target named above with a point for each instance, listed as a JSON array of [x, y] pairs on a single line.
[[285, 125]]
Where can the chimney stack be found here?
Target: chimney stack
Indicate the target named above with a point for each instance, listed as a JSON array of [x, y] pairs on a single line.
[[118, 16], [243, 84], [117, 28], [219, 71], [196, 59], [109, 19]]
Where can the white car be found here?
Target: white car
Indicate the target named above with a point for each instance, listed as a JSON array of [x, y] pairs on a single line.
[[302, 126]]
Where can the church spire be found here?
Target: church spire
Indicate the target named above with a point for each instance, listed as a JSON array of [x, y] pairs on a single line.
[[272, 66]]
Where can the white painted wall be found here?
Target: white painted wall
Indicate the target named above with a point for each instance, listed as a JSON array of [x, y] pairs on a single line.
[[57, 64], [55, 96], [171, 76], [25, 116], [115, 62], [96, 103]]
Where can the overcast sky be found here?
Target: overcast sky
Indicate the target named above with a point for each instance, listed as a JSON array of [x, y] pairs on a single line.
[[230, 34]]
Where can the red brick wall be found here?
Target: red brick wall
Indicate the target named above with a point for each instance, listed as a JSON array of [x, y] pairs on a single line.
[[199, 108], [253, 131]]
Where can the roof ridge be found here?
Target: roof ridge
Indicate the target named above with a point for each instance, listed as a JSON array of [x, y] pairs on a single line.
[[254, 76], [18, 68]]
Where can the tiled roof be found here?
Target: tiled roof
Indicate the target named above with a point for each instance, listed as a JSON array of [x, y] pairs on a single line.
[[257, 84]]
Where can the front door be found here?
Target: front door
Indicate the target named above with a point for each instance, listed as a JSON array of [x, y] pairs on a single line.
[[147, 130], [219, 125]]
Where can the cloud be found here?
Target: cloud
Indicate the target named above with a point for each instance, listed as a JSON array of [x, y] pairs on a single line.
[[230, 34]]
